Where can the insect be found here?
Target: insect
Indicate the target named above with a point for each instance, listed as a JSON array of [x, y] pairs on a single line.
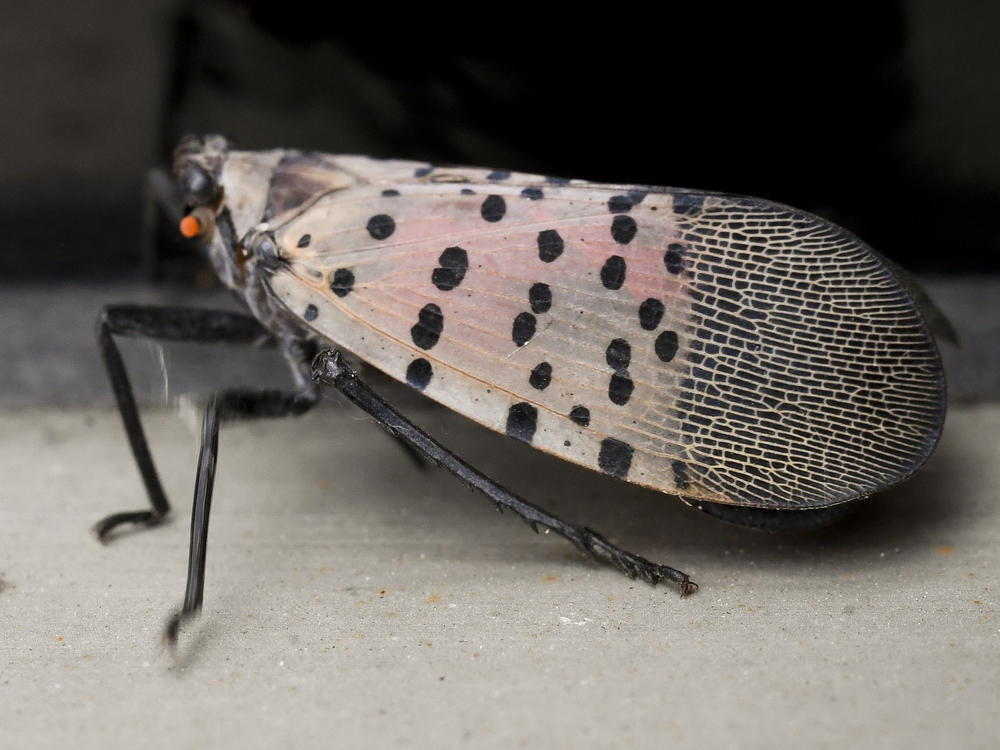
[[757, 361]]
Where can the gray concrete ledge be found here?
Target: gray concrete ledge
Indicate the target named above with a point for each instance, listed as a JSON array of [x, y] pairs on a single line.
[[354, 602]]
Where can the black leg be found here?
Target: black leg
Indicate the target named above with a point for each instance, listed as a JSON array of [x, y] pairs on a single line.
[[227, 406], [204, 483], [329, 368], [163, 323]]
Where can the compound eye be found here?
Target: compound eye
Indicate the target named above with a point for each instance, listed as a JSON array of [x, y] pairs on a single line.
[[198, 185]]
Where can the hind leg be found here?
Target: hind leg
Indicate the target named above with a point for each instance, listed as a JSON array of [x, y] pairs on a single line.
[[330, 369]]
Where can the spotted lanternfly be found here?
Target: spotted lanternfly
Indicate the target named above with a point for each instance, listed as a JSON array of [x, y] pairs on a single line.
[[755, 360]]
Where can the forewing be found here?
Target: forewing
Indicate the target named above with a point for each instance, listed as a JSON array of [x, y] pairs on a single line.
[[721, 348]]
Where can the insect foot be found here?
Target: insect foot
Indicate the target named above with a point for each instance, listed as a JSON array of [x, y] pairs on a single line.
[[631, 564], [145, 518], [173, 626]]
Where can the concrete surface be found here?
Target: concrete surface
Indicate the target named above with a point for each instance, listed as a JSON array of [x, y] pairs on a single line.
[[354, 601]]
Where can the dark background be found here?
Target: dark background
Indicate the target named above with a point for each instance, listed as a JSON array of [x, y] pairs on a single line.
[[882, 116]]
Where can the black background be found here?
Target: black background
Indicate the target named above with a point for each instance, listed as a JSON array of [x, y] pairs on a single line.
[[881, 116]]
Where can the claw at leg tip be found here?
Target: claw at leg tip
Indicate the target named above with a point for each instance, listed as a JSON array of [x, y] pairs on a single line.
[[170, 633], [688, 587]]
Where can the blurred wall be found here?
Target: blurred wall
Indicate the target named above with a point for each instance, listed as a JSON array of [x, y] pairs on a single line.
[[881, 116]]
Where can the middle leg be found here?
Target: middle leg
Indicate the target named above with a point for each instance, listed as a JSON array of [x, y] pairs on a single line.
[[227, 406]]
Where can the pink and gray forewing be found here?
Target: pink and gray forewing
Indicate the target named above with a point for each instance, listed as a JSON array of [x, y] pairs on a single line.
[[720, 348]]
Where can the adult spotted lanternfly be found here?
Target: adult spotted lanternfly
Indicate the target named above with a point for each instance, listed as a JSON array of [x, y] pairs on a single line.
[[757, 361]]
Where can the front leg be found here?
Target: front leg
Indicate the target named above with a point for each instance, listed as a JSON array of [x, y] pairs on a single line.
[[329, 368], [162, 324]]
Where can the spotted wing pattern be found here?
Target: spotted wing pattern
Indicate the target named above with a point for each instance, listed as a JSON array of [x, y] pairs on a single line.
[[717, 347]]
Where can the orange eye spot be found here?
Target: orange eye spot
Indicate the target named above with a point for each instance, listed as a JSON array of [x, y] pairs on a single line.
[[190, 227]]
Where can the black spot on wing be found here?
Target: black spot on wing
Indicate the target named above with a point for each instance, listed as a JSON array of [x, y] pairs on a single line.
[[540, 298], [430, 323], [550, 245], [493, 208], [615, 457], [620, 388], [673, 259], [342, 282], [580, 415], [650, 314], [381, 226], [619, 204], [523, 328], [613, 272], [522, 421], [618, 354], [541, 376], [623, 229], [665, 345], [419, 373], [454, 263]]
